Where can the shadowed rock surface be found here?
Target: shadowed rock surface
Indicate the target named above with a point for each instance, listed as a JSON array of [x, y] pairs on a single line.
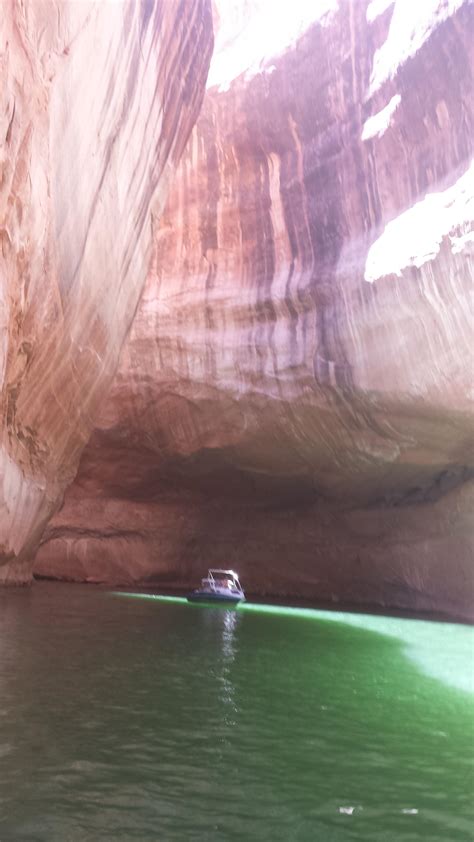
[[97, 103], [295, 396]]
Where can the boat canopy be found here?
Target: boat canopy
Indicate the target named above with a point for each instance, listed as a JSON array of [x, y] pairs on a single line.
[[231, 573], [219, 584]]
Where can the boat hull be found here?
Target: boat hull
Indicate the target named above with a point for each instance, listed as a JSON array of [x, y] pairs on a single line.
[[202, 596]]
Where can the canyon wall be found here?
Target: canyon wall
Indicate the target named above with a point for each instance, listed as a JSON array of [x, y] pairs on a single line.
[[295, 396], [97, 103]]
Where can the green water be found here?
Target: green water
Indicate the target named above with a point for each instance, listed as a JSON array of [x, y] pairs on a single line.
[[140, 719]]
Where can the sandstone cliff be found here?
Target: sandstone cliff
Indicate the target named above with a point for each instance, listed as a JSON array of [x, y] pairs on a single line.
[[97, 102], [295, 397]]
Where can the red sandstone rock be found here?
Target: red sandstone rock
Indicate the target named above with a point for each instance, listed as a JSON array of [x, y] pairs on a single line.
[[295, 397], [96, 104]]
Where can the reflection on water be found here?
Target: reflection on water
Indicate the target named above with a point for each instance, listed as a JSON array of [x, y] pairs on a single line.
[[227, 695], [141, 720], [447, 663], [223, 624], [231, 621]]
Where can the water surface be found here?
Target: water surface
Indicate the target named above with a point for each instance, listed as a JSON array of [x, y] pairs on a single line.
[[139, 719]]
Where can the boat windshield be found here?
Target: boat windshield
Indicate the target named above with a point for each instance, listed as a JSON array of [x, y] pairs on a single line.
[[223, 579]]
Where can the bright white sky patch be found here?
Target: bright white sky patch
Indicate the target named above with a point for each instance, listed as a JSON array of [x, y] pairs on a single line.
[[377, 7], [415, 237], [412, 23], [250, 34], [378, 124]]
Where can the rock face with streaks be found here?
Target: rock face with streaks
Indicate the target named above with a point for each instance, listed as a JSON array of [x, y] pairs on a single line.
[[295, 397], [97, 101]]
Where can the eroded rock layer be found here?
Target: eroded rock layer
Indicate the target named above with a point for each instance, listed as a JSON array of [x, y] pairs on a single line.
[[295, 397], [97, 101]]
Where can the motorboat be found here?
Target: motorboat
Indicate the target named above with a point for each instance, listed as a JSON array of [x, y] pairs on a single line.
[[218, 586]]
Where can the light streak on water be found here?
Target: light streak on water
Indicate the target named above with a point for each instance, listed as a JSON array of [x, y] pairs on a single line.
[[442, 650]]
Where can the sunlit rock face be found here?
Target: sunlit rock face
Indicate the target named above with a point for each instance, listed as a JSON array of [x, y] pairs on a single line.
[[295, 396], [97, 101]]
